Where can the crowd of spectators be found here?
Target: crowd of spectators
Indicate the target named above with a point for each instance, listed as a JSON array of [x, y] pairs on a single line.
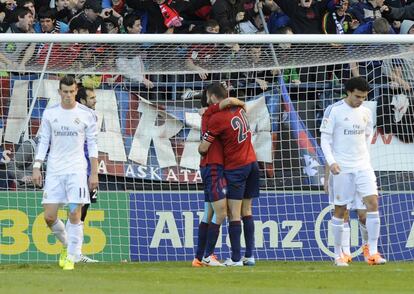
[[199, 16], [205, 17]]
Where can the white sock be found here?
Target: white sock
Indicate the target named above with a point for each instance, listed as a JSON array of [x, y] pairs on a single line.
[[75, 240], [373, 228], [364, 233], [58, 229], [337, 228], [346, 239]]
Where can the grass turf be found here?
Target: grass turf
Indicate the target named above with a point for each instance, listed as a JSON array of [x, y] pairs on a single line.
[[180, 277]]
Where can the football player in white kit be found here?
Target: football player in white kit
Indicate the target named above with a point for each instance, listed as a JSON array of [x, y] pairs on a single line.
[[346, 131], [64, 129], [358, 206]]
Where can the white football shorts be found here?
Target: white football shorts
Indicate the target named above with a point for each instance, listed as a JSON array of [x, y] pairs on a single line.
[[350, 188], [64, 189]]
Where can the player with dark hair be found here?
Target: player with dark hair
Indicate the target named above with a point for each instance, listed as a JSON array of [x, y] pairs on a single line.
[[241, 171], [64, 129], [347, 130], [87, 97], [215, 206]]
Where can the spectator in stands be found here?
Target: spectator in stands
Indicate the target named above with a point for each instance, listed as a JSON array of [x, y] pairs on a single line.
[[29, 4], [91, 13], [372, 70], [6, 14], [378, 26], [112, 25], [152, 10], [16, 55], [228, 13], [278, 19], [132, 24], [76, 6], [79, 26], [399, 71], [199, 56], [306, 16], [253, 22], [132, 66], [62, 11], [254, 82], [48, 24], [290, 75], [367, 11], [336, 20], [405, 12]]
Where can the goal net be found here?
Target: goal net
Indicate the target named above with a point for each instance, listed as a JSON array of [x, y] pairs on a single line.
[[148, 92]]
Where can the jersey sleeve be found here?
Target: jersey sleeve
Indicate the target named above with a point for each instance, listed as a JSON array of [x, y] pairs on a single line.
[[369, 129], [45, 134], [215, 124], [328, 121], [92, 136]]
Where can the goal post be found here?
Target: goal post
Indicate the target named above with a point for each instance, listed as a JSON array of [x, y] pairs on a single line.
[[148, 91]]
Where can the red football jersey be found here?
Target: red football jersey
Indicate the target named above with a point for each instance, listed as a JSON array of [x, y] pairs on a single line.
[[232, 127], [215, 152]]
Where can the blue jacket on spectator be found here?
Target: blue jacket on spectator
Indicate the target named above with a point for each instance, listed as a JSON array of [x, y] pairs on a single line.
[[365, 12], [366, 28], [277, 21]]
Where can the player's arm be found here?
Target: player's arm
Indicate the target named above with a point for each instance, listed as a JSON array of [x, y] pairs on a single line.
[[45, 134], [230, 102], [225, 103], [369, 131], [28, 54], [92, 142], [327, 127], [326, 181], [206, 142]]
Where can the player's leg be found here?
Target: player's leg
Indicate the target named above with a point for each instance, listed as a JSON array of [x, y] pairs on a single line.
[[362, 217], [346, 238], [216, 186], [236, 185], [367, 188], [78, 195], [202, 234], [343, 194], [248, 230], [54, 223], [220, 213], [84, 213], [252, 191], [74, 229], [234, 211], [57, 227], [53, 196]]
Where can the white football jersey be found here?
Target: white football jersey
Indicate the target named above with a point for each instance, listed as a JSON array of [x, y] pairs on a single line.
[[64, 132], [349, 128]]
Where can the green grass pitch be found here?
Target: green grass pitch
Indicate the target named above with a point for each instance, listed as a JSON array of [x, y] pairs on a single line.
[[180, 277]]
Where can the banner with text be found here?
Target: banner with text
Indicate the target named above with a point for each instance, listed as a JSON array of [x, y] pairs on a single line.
[[291, 226], [24, 236]]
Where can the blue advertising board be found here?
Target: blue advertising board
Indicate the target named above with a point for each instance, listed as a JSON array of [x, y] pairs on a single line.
[[288, 226]]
